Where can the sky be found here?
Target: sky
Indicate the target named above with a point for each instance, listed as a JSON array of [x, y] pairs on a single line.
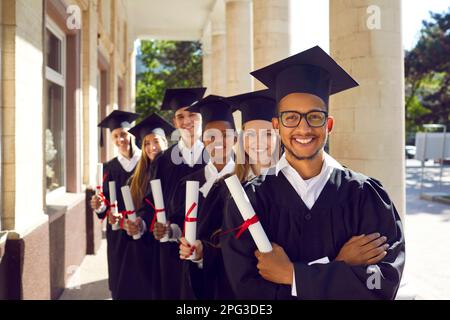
[[311, 27]]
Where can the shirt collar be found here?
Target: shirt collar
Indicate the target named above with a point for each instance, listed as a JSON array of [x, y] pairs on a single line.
[[191, 155], [328, 162], [129, 164], [212, 173], [198, 145]]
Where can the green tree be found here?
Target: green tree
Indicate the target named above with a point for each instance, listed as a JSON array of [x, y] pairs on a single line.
[[168, 64], [427, 70]]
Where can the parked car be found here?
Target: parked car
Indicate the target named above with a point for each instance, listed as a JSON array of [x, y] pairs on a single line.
[[410, 152]]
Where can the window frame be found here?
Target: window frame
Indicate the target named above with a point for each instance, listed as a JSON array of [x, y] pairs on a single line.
[[60, 80]]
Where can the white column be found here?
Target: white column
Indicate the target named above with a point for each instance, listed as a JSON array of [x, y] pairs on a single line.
[[207, 57], [271, 33], [239, 46], [218, 52], [90, 103], [369, 130]]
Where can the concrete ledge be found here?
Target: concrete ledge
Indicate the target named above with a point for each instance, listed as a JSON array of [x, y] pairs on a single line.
[[67, 229]]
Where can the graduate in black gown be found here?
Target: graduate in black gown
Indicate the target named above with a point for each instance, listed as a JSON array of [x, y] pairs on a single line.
[[204, 276], [150, 134], [183, 158], [119, 170], [313, 205]]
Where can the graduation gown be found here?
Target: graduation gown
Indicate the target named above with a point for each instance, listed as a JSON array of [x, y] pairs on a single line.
[[350, 204], [209, 282], [125, 268], [168, 264]]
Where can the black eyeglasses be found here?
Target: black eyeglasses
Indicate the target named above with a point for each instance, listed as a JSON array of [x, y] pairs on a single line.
[[315, 118]]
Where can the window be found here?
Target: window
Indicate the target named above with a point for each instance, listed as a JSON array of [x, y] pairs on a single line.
[[55, 114]]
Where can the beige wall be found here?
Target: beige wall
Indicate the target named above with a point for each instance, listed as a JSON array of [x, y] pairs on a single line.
[[22, 110]]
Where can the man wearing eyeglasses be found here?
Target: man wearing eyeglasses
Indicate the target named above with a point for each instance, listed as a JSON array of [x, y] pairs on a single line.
[[312, 206]]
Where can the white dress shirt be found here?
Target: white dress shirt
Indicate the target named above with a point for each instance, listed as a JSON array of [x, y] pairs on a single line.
[[308, 190], [191, 155]]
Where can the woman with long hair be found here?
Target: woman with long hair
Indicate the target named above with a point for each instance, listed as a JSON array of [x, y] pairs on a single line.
[[150, 133]]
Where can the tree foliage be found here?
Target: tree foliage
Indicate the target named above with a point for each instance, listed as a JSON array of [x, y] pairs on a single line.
[[168, 64], [427, 70]]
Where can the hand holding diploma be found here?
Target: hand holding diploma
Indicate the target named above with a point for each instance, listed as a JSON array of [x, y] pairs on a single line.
[[134, 227], [275, 266], [251, 221], [187, 250]]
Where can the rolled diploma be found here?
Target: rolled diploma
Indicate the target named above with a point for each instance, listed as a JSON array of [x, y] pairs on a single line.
[[126, 194], [191, 227], [247, 212], [159, 204], [113, 201], [99, 180]]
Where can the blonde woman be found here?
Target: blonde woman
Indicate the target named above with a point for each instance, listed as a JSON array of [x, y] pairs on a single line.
[[150, 134]]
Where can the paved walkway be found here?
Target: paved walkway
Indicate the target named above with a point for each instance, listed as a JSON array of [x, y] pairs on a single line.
[[427, 228], [90, 282]]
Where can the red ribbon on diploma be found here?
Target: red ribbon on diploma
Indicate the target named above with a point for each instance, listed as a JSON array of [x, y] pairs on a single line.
[[124, 215], [242, 227], [187, 218], [152, 225], [106, 202], [246, 225]]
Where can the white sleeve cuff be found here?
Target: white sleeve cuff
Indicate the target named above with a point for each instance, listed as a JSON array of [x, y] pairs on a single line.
[[294, 285], [199, 263], [101, 209], [144, 228], [176, 233]]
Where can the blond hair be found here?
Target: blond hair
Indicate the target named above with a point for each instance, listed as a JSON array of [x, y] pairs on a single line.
[[140, 179]]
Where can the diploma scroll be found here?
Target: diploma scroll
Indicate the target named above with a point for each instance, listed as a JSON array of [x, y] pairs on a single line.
[[248, 214], [126, 194], [159, 204], [113, 204], [190, 222]]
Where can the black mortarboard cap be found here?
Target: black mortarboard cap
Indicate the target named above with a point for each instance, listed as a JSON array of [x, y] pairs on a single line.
[[175, 99], [258, 105], [213, 108], [116, 119], [312, 71], [151, 124]]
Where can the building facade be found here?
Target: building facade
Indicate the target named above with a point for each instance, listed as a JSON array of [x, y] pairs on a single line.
[[67, 63]]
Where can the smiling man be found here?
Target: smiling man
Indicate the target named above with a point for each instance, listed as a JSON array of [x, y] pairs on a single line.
[[312, 205]]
